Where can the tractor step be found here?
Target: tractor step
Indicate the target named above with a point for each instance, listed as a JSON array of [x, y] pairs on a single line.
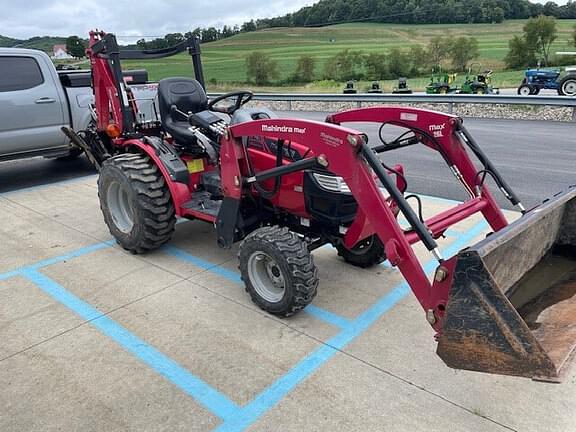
[[201, 203]]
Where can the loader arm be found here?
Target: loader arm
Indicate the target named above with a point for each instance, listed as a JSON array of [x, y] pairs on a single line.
[[505, 305]]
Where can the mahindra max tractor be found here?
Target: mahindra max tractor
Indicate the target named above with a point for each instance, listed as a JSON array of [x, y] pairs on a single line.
[[284, 187]]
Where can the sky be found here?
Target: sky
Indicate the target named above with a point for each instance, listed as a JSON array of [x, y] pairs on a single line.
[[23, 19]]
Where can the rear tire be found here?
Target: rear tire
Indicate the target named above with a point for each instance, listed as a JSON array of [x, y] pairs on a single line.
[[567, 86], [278, 270], [136, 202], [366, 253]]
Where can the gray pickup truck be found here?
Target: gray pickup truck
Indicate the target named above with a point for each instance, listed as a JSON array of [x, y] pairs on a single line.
[[36, 100]]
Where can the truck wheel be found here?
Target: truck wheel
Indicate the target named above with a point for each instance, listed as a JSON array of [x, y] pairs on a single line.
[[278, 270], [366, 253], [136, 202], [525, 90], [567, 86]]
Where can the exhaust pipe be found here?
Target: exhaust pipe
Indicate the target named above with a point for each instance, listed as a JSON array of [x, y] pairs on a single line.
[[512, 303]]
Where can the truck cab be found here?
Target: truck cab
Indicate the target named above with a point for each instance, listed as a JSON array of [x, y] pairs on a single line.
[[34, 105]]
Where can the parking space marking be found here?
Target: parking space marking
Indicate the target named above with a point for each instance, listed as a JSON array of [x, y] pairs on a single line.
[[327, 316], [203, 264], [58, 259], [266, 400], [234, 417], [195, 387]]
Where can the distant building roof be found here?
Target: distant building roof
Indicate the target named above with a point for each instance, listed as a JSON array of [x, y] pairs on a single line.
[[56, 48]]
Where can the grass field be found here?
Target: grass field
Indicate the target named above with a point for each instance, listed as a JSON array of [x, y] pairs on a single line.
[[224, 61]]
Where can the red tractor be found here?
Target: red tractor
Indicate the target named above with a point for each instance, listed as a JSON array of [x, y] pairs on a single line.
[[283, 187]]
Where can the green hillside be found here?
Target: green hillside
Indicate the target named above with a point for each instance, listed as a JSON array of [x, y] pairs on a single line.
[[224, 59], [44, 43]]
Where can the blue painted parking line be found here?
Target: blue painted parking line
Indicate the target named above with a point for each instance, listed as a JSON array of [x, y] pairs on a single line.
[[203, 264], [327, 316], [266, 400], [195, 387], [58, 259]]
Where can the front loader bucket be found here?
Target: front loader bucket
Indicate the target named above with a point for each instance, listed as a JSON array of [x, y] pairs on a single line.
[[512, 303]]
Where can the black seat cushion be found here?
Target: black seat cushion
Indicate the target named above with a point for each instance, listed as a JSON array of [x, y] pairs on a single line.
[[188, 96]]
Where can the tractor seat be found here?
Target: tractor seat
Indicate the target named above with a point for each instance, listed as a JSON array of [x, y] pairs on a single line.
[[248, 114], [188, 96]]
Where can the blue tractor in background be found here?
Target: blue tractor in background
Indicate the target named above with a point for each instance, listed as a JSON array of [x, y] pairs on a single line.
[[550, 79]]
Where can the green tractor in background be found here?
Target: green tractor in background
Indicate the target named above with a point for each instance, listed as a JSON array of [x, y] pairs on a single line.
[[441, 82], [478, 82]]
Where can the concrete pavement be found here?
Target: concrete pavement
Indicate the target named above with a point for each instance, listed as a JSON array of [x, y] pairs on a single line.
[[97, 339]]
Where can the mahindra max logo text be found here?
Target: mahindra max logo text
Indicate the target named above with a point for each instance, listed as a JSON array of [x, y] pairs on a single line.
[[437, 130], [285, 129]]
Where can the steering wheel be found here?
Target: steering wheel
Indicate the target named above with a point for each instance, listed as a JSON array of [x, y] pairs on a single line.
[[242, 98]]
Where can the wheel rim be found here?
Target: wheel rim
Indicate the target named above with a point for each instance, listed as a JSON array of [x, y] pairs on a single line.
[[266, 277], [120, 208], [524, 91], [569, 88]]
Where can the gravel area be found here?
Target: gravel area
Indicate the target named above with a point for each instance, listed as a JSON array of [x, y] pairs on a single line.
[[514, 112]]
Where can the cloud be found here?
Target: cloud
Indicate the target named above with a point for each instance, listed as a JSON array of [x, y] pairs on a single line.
[[128, 18]]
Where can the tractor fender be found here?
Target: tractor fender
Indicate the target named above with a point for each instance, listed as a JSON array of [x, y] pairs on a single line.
[[173, 169]]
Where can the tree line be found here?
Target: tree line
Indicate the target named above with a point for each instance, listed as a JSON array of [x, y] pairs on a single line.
[[417, 12], [531, 48], [349, 64]]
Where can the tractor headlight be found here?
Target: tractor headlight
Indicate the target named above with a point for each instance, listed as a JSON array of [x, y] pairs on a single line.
[[331, 183]]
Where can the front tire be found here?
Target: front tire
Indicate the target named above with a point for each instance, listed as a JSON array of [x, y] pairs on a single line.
[[525, 90], [278, 270], [366, 253], [136, 202]]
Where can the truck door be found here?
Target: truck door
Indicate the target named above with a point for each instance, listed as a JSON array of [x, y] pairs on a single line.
[[31, 110]]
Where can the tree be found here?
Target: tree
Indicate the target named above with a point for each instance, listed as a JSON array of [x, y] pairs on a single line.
[[210, 34], [520, 55], [398, 64], [437, 49], [304, 69], [173, 39], [344, 66], [462, 50], [248, 26], [541, 33], [418, 60], [261, 68], [75, 47], [375, 65]]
